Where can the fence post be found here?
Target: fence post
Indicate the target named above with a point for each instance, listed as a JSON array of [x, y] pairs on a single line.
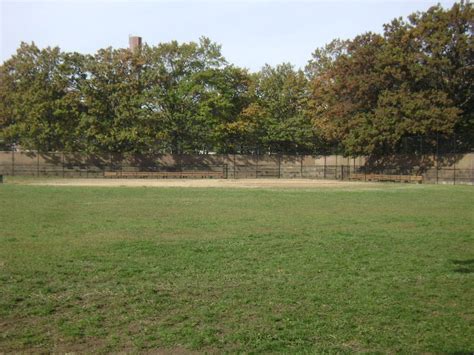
[[454, 165], [13, 162], [324, 171], [301, 166], [256, 168], [437, 172], [62, 162], [454, 173], [37, 164], [279, 166], [437, 156], [234, 166]]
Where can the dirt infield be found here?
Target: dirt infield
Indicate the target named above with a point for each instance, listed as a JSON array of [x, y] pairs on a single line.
[[209, 183]]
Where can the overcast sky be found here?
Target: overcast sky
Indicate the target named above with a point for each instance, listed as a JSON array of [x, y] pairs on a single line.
[[251, 33]]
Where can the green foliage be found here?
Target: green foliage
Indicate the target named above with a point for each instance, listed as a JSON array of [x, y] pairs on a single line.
[[364, 95], [234, 127], [272, 116], [281, 95], [416, 79], [40, 102], [164, 98], [183, 91], [112, 93]]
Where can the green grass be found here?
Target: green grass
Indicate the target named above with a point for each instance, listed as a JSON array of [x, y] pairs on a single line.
[[253, 270]]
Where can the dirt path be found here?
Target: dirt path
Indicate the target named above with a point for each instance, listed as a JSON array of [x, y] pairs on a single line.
[[219, 183]]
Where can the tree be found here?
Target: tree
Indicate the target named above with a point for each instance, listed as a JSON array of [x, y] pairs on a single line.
[[366, 95], [323, 58], [181, 93], [233, 95], [280, 104], [416, 79], [346, 90], [115, 119], [40, 103]]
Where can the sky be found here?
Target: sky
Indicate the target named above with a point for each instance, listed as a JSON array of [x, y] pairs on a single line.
[[252, 33]]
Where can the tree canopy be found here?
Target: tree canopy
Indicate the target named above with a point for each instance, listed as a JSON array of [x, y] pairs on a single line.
[[415, 79], [364, 95]]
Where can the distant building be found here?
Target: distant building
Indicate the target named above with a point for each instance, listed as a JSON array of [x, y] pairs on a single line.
[[135, 43]]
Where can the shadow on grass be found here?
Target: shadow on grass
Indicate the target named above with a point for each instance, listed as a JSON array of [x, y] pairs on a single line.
[[464, 266]]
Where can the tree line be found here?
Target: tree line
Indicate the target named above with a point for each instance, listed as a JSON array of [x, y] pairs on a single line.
[[363, 95]]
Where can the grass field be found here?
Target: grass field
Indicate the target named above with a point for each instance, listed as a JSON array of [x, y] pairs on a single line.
[[389, 269]]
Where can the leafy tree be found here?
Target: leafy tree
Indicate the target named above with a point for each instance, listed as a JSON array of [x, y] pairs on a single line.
[[234, 89], [346, 90], [438, 55], [410, 81], [113, 94], [181, 93], [40, 102], [281, 102], [367, 95], [323, 58]]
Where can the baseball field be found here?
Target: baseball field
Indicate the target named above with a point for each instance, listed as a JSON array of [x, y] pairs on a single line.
[[350, 267]]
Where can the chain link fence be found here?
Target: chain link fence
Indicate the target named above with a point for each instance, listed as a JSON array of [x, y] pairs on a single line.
[[434, 168]]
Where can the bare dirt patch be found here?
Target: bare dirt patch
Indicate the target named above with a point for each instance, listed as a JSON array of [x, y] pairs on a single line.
[[207, 183]]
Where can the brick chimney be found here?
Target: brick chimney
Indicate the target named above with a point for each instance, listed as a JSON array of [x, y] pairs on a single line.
[[135, 43]]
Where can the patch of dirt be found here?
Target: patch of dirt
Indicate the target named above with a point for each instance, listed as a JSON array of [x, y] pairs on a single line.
[[219, 183]]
